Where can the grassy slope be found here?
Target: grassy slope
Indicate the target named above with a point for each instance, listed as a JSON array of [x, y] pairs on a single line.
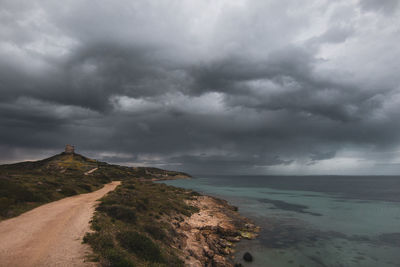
[[133, 225], [26, 185]]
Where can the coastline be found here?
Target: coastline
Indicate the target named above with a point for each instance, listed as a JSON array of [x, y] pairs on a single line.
[[145, 222], [208, 237], [164, 178], [142, 222]]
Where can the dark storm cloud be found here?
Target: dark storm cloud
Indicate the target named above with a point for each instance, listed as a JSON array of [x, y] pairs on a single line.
[[202, 86], [90, 76], [222, 75]]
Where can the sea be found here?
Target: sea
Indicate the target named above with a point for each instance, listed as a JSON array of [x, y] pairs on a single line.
[[313, 220]]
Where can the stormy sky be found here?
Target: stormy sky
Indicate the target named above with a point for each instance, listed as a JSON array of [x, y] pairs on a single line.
[[206, 86]]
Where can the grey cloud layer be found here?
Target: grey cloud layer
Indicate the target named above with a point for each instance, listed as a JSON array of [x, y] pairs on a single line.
[[203, 86]]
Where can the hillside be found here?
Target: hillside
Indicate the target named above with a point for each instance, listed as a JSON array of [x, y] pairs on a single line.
[[26, 185], [140, 223]]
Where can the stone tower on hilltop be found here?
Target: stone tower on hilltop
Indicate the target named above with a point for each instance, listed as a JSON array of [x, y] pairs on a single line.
[[69, 149]]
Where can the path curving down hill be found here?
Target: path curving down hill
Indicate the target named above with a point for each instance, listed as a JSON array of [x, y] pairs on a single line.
[[50, 235]]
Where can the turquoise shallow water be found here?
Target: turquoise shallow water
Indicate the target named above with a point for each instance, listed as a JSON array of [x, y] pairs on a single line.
[[314, 220]]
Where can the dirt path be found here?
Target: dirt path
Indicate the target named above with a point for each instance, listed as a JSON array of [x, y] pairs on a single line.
[[91, 171], [50, 235]]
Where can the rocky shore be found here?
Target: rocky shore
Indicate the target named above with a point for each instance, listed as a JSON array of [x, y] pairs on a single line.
[[154, 224], [208, 237]]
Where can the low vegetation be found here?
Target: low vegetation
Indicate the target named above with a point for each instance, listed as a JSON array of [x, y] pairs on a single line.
[[26, 185], [132, 225], [140, 223]]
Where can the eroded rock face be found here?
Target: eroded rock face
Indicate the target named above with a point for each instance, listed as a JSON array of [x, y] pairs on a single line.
[[210, 234]]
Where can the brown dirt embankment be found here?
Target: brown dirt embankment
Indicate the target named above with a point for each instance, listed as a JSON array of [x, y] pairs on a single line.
[[208, 238]]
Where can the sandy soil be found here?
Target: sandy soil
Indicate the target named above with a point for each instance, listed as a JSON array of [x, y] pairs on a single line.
[[50, 235]]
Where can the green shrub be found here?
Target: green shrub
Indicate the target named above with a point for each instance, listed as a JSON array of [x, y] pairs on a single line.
[[108, 201], [130, 186], [99, 241], [5, 205], [86, 187], [15, 191], [68, 191], [141, 245], [116, 258], [119, 212], [96, 223], [141, 206], [155, 231], [42, 196]]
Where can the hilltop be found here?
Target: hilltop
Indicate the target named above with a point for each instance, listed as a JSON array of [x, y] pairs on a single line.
[[26, 185], [140, 223]]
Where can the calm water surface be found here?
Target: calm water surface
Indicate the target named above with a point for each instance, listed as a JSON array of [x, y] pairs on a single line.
[[314, 220]]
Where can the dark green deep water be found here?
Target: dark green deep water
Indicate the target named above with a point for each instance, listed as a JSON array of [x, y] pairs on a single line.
[[314, 220]]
